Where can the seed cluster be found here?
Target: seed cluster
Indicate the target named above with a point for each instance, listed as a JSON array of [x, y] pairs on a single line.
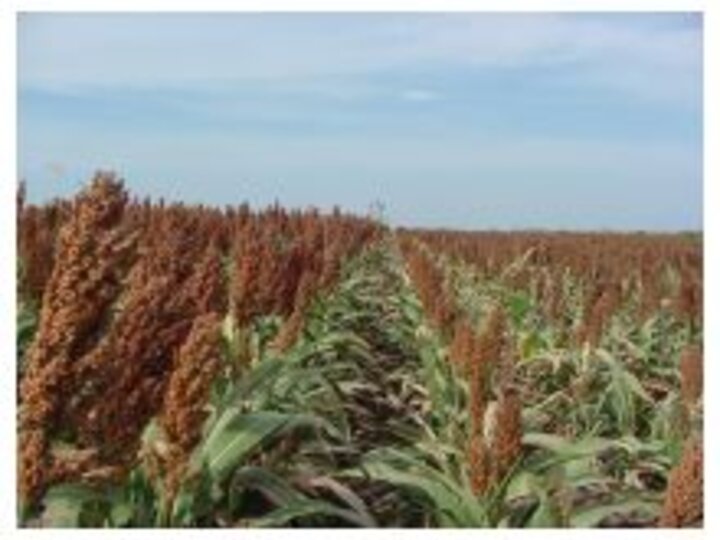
[[92, 254], [183, 411], [691, 375], [684, 496]]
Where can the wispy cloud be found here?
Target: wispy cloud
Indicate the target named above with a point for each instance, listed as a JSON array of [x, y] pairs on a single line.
[[419, 95], [475, 119], [70, 52]]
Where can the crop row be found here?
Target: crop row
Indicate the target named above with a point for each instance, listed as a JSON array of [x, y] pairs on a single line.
[[580, 363]]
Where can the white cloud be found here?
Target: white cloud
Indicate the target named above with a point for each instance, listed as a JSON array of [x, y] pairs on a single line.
[[419, 95]]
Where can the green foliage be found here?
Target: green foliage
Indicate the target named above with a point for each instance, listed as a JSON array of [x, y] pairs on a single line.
[[364, 421]]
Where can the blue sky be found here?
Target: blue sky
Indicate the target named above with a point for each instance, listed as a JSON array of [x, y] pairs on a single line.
[[570, 121]]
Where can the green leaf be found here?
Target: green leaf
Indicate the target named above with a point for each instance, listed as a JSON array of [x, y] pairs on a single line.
[[531, 343], [519, 305], [275, 488], [522, 484], [235, 436], [545, 515], [193, 503], [563, 450], [346, 495], [452, 501], [592, 516], [308, 508], [64, 504], [284, 495], [562, 446], [121, 514]]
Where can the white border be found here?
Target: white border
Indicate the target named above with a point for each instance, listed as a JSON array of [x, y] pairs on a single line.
[[359, 5], [8, 158], [8, 172]]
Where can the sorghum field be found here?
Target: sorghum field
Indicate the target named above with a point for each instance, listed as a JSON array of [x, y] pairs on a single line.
[[186, 366]]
